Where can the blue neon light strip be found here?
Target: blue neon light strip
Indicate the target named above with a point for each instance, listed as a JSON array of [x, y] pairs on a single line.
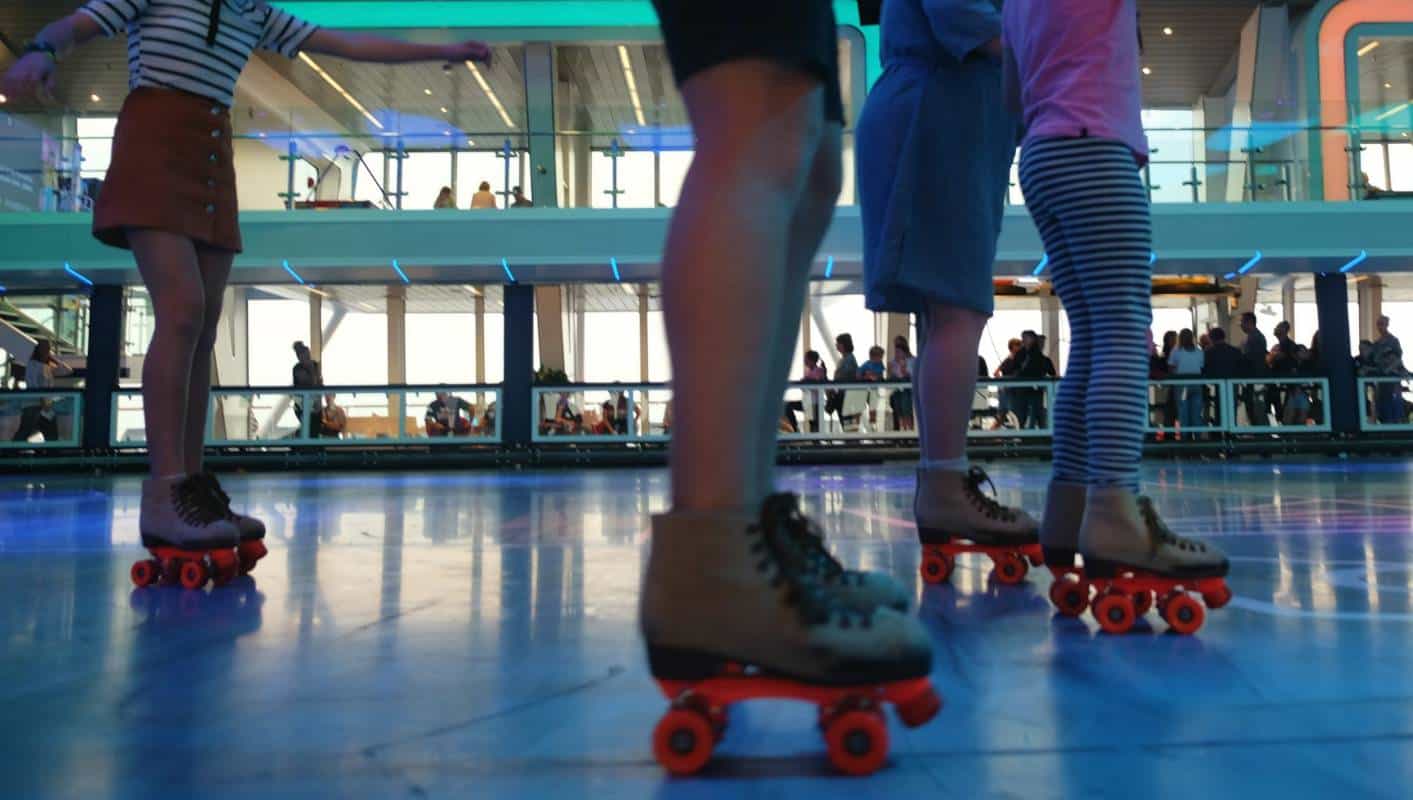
[[1229, 276], [79, 276], [1247, 267], [1152, 258], [292, 273], [3, 289], [505, 265], [617, 276], [398, 269], [1039, 268], [1359, 259], [829, 268]]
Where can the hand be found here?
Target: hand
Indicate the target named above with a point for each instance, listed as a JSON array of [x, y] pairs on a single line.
[[469, 51], [31, 76]]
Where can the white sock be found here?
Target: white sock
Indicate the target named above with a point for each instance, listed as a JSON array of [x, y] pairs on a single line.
[[945, 465]]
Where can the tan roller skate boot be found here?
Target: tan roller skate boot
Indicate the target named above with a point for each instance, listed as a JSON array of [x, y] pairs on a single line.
[[955, 516]]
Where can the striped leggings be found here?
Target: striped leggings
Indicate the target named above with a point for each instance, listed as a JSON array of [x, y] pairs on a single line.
[[1092, 212]]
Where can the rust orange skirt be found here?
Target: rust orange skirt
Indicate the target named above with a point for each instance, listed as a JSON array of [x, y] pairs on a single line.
[[172, 170]]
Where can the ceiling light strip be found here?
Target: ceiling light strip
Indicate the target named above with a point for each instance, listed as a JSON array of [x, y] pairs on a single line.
[[490, 93], [632, 84], [329, 79]]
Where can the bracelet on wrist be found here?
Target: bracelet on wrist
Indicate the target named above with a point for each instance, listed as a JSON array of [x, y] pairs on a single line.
[[46, 48]]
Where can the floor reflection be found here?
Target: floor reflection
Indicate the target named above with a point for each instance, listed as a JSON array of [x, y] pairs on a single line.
[[475, 633]]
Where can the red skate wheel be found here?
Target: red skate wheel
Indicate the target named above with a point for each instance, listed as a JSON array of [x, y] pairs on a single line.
[[170, 571], [858, 742], [936, 566], [146, 572], [1185, 614], [225, 566], [1011, 569], [1218, 598], [1142, 602], [1071, 597], [192, 575], [682, 741], [1115, 612], [918, 711], [250, 553]]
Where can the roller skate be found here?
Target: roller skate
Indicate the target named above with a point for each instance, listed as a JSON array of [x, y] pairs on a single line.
[[1133, 562], [1059, 543], [731, 612], [190, 539], [954, 516], [252, 531]]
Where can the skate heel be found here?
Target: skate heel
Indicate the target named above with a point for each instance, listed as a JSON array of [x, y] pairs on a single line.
[[1099, 568], [933, 536], [1058, 557], [677, 664]]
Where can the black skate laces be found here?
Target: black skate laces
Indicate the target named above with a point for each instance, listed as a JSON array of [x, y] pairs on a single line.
[[194, 503], [986, 504], [783, 512], [1162, 533], [784, 550], [217, 493]]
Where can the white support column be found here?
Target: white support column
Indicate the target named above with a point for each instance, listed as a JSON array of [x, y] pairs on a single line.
[[577, 295], [1050, 324], [480, 312], [1288, 304], [316, 326], [549, 312], [1370, 291], [397, 344], [643, 307]]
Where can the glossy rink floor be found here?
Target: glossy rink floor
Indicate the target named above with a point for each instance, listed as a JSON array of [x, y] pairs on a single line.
[[473, 635]]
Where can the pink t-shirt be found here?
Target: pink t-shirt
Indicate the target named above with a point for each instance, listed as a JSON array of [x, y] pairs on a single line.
[[1074, 66]]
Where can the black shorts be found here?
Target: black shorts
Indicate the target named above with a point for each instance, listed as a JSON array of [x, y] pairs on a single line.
[[802, 34]]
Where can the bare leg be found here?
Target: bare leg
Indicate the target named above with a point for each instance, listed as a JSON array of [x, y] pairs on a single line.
[[169, 268], [215, 266], [759, 126], [807, 230], [945, 382]]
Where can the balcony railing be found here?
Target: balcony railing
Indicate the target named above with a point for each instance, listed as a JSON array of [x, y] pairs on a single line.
[[1386, 404]]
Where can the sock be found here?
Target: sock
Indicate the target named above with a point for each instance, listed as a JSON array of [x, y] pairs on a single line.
[[945, 464]]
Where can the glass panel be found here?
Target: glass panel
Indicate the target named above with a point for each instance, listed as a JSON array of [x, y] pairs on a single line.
[[39, 420], [451, 414]]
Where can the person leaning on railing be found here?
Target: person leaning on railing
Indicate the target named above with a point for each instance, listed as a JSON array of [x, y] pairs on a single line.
[[40, 372]]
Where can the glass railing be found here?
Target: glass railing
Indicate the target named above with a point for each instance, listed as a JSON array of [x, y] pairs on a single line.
[[333, 416], [1277, 406], [40, 420], [602, 413], [1387, 404], [636, 167]]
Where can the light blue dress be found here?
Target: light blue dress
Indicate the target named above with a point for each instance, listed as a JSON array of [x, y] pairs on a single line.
[[933, 151]]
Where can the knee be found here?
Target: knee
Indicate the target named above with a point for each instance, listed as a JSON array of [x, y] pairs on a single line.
[[182, 321], [210, 324], [826, 178], [776, 163]]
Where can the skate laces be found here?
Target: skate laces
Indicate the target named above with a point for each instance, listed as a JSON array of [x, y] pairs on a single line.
[[218, 494], [194, 504], [783, 547], [783, 510], [1160, 530], [988, 505]]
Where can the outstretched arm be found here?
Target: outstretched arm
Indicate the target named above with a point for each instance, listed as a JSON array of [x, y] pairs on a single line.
[[34, 72], [367, 47]]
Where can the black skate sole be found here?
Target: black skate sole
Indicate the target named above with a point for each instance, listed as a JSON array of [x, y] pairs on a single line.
[[935, 536], [151, 542], [678, 664], [1102, 568]]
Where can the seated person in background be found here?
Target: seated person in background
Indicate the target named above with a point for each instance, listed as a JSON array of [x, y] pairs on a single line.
[[621, 421], [445, 199], [608, 423], [519, 198], [873, 370], [488, 421], [483, 198], [444, 416], [565, 421], [334, 418]]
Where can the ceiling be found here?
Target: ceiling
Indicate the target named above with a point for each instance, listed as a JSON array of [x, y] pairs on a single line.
[[591, 90]]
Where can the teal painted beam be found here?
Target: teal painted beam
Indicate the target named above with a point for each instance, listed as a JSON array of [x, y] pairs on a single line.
[[575, 245]]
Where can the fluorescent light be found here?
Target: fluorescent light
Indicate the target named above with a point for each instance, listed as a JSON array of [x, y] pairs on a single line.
[[444, 111], [1368, 48], [472, 289], [632, 84], [1391, 112], [319, 292], [3, 99], [329, 79], [1167, 31], [630, 289], [95, 98], [427, 92], [490, 93], [1147, 71], [1387, 85]]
